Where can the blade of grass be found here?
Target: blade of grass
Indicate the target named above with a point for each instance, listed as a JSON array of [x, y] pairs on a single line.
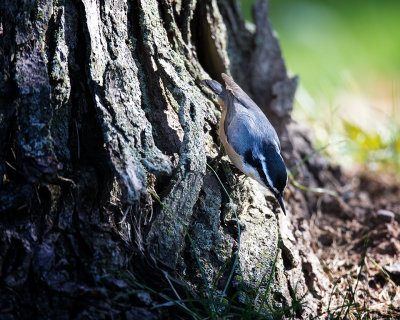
[[220, 272], [335, 317], [387, 276], [238, 226], [296, 304], [148, 289], [380, 268], [312, 189], [330, 297], [171, 285], [191, 244], [270, 278], [191, 302], [358, 276], [273, 266], [308, 156], [292, 173]]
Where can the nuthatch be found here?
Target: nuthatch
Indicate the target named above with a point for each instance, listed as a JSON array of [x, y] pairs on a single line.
[[249, 138]]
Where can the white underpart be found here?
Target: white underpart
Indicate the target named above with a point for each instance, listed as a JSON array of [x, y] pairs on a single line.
[[252, 173]]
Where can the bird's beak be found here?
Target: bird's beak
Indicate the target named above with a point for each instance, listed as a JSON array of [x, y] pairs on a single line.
[[279, 197]]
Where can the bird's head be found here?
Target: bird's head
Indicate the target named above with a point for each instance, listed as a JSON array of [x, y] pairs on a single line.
[[276, 176], [270, 170]]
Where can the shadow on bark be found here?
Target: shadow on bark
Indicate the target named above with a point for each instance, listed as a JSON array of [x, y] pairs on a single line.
[[101, 103]]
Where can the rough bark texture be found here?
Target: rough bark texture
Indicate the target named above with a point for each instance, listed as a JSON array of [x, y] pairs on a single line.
[[101, 105]]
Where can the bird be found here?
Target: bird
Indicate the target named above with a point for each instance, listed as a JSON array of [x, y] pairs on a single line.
[[249, 139]]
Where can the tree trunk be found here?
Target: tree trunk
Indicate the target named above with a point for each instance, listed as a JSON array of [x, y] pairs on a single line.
[[102, 113]]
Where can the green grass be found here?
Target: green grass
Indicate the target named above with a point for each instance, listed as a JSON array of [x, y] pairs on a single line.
[[347, 56], [349, 300], [229, 307], [213, 304]]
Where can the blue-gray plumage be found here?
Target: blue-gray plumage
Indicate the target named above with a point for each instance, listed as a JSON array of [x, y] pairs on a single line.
[[249, 138]]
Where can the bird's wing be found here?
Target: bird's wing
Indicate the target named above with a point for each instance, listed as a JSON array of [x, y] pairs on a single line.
[[247, 129], [236, 101], [242, 133]]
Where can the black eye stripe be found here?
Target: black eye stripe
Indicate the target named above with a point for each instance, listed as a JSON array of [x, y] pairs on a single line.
[[257, 164]]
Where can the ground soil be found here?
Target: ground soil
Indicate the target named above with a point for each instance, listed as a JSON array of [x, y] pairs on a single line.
[[363, 232]]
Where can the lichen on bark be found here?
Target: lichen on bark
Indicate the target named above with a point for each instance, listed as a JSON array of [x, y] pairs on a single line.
[[102, 106]]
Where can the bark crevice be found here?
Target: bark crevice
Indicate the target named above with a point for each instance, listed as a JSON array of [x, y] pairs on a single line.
[[102, 102]]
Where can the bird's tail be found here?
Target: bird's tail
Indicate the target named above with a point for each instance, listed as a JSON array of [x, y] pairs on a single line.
[[214, 86]]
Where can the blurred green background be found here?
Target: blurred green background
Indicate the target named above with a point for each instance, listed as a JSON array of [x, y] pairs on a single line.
[[347, 55]]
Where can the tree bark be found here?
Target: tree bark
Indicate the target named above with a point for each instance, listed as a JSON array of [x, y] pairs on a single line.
[[102, 110]]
